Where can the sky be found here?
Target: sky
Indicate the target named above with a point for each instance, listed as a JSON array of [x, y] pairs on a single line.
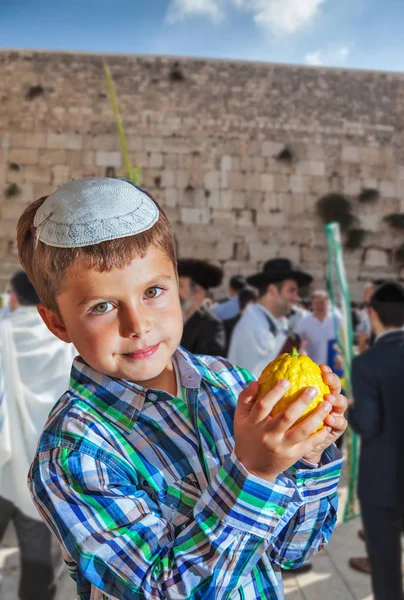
[[366, 34]]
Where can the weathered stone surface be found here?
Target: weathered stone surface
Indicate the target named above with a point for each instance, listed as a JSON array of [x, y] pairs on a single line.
[[212, 154]]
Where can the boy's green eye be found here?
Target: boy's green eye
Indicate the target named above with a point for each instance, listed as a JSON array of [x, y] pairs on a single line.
[[101, 308]]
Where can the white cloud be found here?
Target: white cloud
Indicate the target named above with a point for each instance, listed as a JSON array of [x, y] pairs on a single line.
[[314, 59], [342, 53], [330, 56], [285, 16], [281, 16], [180, 9]]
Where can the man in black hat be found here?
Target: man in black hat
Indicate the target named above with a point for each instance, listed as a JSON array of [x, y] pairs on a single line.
[[377, 415], [203, 332], [263, 329]]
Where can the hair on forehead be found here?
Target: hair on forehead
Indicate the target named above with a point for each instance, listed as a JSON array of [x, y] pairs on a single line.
[[48, 266], [321, 294]]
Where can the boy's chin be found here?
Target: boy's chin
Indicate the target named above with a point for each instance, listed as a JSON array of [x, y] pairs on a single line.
[[143, 371]]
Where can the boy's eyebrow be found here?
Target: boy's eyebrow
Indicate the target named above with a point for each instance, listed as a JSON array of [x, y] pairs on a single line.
[[154, 281]]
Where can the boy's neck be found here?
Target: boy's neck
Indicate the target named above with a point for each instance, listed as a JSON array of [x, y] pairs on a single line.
[[166, 381]]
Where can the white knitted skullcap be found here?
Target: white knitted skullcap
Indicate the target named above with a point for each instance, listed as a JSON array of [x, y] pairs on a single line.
[[90, 211]]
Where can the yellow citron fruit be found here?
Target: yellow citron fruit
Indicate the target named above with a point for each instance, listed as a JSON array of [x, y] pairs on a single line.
[[302, 372]]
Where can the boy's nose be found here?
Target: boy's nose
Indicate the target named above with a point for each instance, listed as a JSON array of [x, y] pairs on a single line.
[[134, 323]]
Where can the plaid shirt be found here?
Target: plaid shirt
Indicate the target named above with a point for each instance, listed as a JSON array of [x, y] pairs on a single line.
[[149, 501]]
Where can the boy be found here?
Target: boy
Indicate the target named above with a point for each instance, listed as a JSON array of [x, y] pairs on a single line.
[[151, 488]]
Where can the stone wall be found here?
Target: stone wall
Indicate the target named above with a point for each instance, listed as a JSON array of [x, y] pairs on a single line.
[[208, 135]]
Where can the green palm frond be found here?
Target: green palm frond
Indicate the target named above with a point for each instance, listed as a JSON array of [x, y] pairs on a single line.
[[132, 173]]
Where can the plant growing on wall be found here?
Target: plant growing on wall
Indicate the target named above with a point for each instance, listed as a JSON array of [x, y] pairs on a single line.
[[355, 238], [395, 220], [34, 91], [285, 156], [399, 255], [12, 190], [176, 73], [335, 207], [132, 173], [369, 195]]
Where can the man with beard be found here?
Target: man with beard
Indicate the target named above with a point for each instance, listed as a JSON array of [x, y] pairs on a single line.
[[203, 332]]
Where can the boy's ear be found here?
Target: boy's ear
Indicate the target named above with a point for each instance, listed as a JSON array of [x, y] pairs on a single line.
[[53, 322]]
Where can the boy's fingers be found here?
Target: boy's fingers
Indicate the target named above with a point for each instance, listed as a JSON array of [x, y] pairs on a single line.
[[339, 403], [264, 405], [286, 419], [338, 423], [303, 430], [330, 379], [314, 441], [246, 399]]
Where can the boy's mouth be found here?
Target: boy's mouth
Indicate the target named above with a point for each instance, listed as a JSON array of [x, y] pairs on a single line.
[[144, 353]]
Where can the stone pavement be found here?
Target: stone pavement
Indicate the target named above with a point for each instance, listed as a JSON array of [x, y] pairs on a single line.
[[330, 579]]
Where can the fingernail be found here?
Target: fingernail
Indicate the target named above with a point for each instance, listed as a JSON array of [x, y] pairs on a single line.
[[327, 406], [312, 392], [285, 383]]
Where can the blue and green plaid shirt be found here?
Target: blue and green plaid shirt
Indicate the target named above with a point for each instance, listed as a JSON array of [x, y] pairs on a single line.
[[148, 499]]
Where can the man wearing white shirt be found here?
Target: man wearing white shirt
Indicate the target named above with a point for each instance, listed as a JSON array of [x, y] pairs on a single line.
[[263, 329], [34, 372], [319, 329]]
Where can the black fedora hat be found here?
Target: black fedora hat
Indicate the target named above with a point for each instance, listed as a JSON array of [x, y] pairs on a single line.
[[279, 269], [202, 272]]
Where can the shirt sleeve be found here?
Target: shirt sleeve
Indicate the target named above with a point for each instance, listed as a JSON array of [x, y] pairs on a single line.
[[123, 546], [309, 528]]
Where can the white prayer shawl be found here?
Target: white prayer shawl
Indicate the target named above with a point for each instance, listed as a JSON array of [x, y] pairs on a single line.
[[34, 372]]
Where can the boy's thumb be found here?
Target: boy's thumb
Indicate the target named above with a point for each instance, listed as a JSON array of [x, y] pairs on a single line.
[[246, 398]]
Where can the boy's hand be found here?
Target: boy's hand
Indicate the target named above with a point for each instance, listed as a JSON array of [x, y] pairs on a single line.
[[267, 445], [335, 422]]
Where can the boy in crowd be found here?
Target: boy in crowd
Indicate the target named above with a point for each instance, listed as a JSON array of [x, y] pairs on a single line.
[[160, 473]]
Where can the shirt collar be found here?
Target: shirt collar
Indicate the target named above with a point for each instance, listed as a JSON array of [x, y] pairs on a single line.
[[397, 330], [281, 323], [122, 401]]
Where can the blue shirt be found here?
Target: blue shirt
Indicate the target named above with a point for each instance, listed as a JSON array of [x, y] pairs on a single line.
[[148, 499], [228, 309]]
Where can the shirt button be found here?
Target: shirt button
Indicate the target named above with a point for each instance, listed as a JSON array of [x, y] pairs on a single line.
[[310, 482], [152, 397]]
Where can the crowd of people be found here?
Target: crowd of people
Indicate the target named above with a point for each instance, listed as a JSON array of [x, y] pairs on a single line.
[[135, 470]]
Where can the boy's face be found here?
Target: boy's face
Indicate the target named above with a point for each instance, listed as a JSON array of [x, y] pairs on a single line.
[[125, 323]]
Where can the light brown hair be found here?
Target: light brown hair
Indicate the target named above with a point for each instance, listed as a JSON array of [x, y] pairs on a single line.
[[47, 266]]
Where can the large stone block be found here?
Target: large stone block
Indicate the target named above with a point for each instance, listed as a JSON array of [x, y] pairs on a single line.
[[28, 140], [235, 180], [271, 149], [108, 159], [212, 180], [375, 257], [388, 189], [23, 156], [350, 154], [60, 175], [37, 174], [266, 182], [195, 216], [48, 158]]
